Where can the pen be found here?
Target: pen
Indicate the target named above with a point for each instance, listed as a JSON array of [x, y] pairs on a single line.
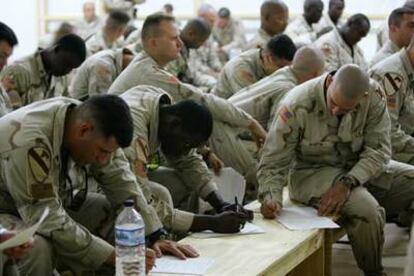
[[237, 204]]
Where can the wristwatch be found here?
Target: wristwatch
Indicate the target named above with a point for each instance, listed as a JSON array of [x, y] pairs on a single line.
[[349, 181], [160, 234]]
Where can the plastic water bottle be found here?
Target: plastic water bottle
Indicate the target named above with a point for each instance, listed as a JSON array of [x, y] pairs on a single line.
[[130, 242]]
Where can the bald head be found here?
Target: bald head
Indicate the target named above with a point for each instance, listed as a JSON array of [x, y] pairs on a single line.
[[208, 13], [351, 81], [308, 63], [274, 15], [312, 11]]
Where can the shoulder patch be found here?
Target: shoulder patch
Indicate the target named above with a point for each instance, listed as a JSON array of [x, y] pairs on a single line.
[[246, 76], [327, 49], [392, 83], [285, 114], [39, 166], [141, 161], [102, 71]]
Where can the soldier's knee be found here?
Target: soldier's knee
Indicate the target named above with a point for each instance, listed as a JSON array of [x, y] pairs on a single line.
[[161, 193]]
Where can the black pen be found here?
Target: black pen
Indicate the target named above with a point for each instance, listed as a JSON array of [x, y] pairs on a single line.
[[237, 204]]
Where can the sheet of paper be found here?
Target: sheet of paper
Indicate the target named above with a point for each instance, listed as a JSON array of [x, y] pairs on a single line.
[[248, 229], [304, 218], [190, 266], [24, 235]]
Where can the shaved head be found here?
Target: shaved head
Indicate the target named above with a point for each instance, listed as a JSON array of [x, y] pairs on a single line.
[[274, 15], [351, 81], [308, 61], [270, 7]]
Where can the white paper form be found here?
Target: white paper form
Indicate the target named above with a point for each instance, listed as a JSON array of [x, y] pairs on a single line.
[[25, 235], [304, 218], [248, 229], [190, 266]]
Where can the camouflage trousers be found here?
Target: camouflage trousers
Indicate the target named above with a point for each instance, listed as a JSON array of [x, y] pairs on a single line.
[[96, 214], [226, 143], [390, 195]]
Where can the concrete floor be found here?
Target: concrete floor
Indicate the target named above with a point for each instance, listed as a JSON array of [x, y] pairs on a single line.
[[394, 254]]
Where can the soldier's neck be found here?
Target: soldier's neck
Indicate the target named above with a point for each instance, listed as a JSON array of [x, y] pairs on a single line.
[[45, 56]]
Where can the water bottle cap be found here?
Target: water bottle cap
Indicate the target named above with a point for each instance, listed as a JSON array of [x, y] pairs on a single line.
[[129, 203]]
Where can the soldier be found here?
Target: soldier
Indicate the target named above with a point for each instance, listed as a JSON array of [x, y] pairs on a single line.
[[40, 143], [332, 19], [382, 31], [110, 36], [340, 45], [125, 6], [401, 29], [331, 143], [8, 41], [274, 15], [261, 99], [409, 268], [254, 65], [395, 75], [301, 30], [162, 45], [193, 36], [205, 59], [98, 72], [44, 74], [91, 23], [229, 34], [177, 129]]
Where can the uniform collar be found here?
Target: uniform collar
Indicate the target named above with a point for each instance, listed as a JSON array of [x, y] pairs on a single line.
[[59, 128], [262, 33], [39, 66], [258, 62], [155, 121], [118, 61], [391, 46], [406, 63], [320, 92]]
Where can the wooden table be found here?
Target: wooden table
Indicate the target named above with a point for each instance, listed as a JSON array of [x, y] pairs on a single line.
[[277, 252]]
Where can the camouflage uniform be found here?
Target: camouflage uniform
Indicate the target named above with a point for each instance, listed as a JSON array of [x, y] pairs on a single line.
[[310, 149], [387, 50], [32, 82], [231, 37], [35, 174], [86, 29], [300, 31], [261, 99], [97, 43], [144, 102], [338, 53], [143, 70], [259, 40], [126, 6], [96, 74], [240, 72], [205, 59], [395, 75], [181, 69]]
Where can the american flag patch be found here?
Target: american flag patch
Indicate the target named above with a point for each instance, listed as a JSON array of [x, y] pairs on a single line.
[[285, 114]]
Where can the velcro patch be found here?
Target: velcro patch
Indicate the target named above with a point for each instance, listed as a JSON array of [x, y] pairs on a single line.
[[39, 164], [285, 114], [392, 83], [327, 49]]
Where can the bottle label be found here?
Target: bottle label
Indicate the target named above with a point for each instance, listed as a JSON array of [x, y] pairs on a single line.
[[129, 236]]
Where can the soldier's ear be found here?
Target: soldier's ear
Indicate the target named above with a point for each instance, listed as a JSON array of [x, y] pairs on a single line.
[[329, 80]]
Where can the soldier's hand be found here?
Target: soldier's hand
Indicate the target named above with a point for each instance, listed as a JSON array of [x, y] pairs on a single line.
[[229, 222], [333, 200], [270, 209], [181, 251], [215, 163], [258, 133], [150, 258], [16, 252], [238, 208]]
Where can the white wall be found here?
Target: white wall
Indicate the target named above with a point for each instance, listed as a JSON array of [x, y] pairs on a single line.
[[22, 15]]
